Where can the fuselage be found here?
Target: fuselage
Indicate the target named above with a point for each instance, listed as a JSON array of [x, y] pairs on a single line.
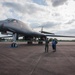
[[16, 26]]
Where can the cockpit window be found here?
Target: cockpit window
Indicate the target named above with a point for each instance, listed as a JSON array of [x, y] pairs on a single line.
[[12, 20]]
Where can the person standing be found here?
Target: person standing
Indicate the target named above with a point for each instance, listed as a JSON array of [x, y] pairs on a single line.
[[46, 45], [54, 42]]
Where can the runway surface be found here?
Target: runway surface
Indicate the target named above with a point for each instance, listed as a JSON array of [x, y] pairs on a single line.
[[32, 59]]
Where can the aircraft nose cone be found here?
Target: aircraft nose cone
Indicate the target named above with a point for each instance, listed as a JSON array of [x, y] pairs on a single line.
[[2, 25]]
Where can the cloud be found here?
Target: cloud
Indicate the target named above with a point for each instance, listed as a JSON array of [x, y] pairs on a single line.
[[25, 11], [66, 32], [28, 8], [15, 6], [56, 3], [44, 24], [71, 21], [56, 14], [40, 2], [49, 24], [35, 25], [16, 1], [71, 31]]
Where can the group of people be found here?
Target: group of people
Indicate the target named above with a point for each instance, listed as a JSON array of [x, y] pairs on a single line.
[[54, 42]]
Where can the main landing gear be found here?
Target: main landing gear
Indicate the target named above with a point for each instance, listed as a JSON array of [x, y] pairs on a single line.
[[14, 45]]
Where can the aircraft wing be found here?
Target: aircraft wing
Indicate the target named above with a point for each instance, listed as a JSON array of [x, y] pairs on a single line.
[[54, 35]]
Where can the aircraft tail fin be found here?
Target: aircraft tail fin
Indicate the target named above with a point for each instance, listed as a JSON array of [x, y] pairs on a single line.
[[42, 31]]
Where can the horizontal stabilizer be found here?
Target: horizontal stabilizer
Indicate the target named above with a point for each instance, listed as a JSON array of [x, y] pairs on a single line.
[[6, 33], [60, 36], [5, 36]]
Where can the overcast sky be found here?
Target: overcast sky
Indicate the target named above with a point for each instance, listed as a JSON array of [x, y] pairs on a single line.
[[57, 16]]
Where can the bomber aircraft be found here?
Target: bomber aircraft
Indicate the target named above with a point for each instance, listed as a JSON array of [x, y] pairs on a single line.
[[18, 28]]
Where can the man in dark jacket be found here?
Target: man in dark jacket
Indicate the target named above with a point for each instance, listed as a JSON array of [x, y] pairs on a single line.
[[46, 45]]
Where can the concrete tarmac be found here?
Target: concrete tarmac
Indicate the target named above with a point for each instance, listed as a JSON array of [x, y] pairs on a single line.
[[32, 59]]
